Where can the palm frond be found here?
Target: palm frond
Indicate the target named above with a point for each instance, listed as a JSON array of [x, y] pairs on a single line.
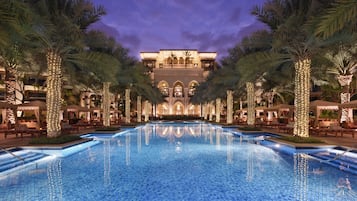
[[254, 65], [344, 12]]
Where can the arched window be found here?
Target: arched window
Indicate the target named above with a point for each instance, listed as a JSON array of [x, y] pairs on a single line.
[[192, 88], [178, 90], [169, 60], [181, 60], [164, 88]]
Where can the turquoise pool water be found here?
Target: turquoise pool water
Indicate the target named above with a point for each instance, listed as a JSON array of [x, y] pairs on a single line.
[[194, 161]]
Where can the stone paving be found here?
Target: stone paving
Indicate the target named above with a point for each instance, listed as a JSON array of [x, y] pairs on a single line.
[[346, 141], [12, 141]]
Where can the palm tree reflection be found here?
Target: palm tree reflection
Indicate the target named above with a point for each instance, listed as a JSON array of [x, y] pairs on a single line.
[[301, 166], [54, 175]]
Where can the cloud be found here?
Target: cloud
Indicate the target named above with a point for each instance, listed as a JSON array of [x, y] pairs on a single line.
[[234, 18], [206, 25], [131, 41], [221, 42]]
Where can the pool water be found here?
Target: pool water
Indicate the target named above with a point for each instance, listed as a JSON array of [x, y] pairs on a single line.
[[178, 162]]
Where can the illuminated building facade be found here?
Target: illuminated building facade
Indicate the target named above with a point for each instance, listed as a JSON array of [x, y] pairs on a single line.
[[177, 72]]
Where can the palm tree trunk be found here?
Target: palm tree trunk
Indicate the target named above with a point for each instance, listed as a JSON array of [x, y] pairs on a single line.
[[53, 97], [138, 108], [345, 81], [270, 96], [204, 111], [146, 105], [218, 110], [251, 103], [210, 117], [127, 105], [302, 97], [106, 104], [10, 82], [229, 107]]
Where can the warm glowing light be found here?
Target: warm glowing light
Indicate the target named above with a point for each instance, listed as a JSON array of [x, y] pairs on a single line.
[[149, 55], [208, 55], [106, 104], [138, 108], [229, 107], [218, 110], [251, 103], [302, 97], [53, 96], [127, 105]]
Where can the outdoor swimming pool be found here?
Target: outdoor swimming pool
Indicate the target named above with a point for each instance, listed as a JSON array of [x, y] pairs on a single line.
[[193, 161]]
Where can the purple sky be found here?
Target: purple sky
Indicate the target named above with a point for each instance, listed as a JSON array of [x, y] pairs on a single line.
[[205, 25]]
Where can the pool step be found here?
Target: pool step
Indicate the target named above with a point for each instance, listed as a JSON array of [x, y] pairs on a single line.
[[19, 158], [339, 160]]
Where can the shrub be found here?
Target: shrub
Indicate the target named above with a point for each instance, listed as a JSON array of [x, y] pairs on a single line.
[[108, 128], [298, 139], [179, 117], [249, 128], [57, 140]]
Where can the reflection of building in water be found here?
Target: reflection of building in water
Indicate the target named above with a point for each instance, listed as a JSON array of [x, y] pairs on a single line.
[[147, 133], [301, 166], [344, 189], [176, 132], [177, 74], [54, 175], [107, 162], [250, 166], [211, 132], [139, 139], [127, 149], [229, 149], [218, 138]]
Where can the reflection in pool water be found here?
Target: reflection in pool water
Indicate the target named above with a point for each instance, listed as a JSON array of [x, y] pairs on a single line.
[[179, 162]]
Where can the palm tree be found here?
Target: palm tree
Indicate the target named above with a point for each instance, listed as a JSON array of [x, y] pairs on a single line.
[[110, 62], [251, 74], [14, 17], [60, 28], [136, 78], [344, 67], [235, 72], [292, 38], [341, 15], [187, 55]]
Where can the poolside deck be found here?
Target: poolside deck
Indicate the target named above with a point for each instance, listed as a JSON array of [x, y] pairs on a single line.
[[345, 141], [13, 141]]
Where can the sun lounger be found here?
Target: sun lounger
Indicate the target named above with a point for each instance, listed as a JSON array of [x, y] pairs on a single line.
[[333, 130], [288, 128], [22, 129], [348, 131], [69, 129]]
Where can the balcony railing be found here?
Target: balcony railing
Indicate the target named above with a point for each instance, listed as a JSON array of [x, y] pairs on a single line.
[[178, 66]]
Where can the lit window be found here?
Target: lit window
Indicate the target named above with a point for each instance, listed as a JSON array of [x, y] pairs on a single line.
[[164, 89], [192, 88], [178, 91]]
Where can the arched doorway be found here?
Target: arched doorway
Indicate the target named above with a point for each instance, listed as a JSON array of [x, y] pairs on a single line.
[[178, 108], [194, 109], [163, 109]]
